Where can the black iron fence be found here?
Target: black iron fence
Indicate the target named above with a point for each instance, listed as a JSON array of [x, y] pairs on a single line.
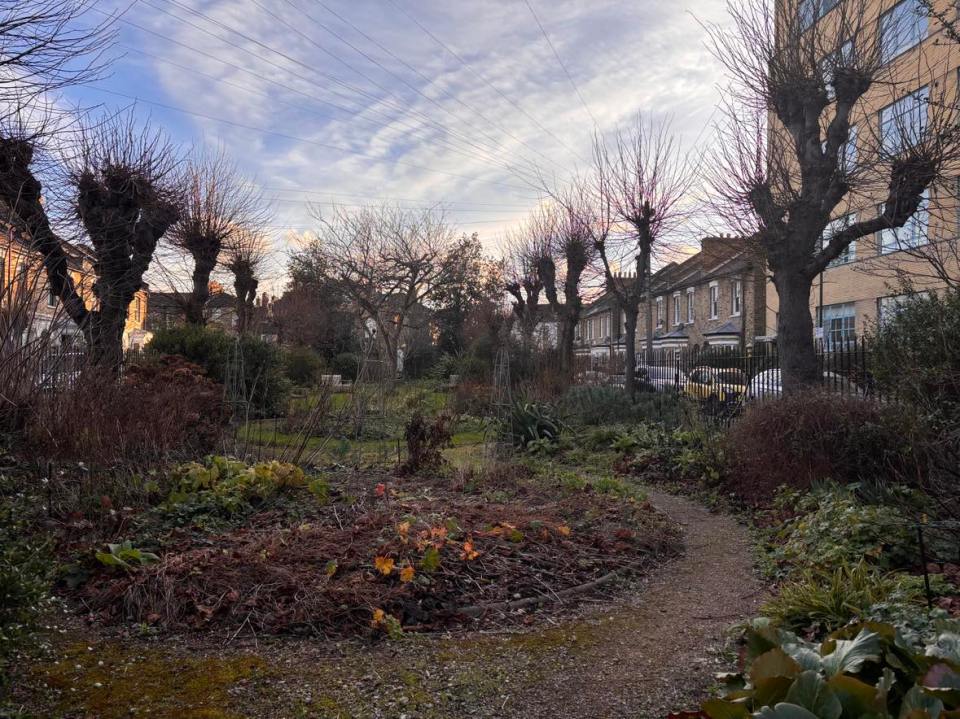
[[724, 380]]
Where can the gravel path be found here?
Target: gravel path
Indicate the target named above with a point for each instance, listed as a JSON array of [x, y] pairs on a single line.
[[673, 630]]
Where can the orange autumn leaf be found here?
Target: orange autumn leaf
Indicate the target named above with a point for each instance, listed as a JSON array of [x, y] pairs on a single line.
[[564, 530], [403, 529], [384, 565], [380, 489], [406, 574], [469, 553], [378, 616]]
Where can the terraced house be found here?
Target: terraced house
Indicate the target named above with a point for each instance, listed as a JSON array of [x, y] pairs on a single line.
[[867, 280], [714, 298]]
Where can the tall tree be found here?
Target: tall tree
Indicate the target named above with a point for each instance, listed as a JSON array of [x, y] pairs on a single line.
[[523, 284], [389, 261], [813, 156], [218, 205], [639, 185], [245, 254]]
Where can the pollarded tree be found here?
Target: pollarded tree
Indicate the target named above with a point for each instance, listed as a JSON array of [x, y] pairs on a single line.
[[122, 188], [639, 182], [814, 156], [244, 256], [218, 206], [523, 283]]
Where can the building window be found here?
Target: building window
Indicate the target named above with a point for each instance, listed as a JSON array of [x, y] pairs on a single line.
[[912, 234], [848, 155], [659, 312], [842, 58], [903, 123], [676, 308], [51, 297], [839, 325], [812, 10], [902, 27], [714, 300], [691, 315], [736, 298], [849, 254]]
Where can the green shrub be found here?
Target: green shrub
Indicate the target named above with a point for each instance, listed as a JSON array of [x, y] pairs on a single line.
[[861, 671], [833, 528], [816, 601], [531, 422], [345, 364], [593, 406], [249, 368], [26, 569], [302, 366]]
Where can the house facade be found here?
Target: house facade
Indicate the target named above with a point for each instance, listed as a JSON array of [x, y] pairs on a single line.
[[27, 300], [166, 310], [714, 298]]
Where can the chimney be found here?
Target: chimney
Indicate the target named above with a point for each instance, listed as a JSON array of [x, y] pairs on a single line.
[[715, 250]]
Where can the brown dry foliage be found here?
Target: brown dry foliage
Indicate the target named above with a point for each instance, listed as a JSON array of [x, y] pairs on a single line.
[[159, 409], [798, 440]]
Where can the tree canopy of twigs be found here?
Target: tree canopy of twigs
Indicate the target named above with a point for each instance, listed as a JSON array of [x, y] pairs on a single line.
[[640, 180], [46, 45], [802, 147], [388, 261], [219, 205]]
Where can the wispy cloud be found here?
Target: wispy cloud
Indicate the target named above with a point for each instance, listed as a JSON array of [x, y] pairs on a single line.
[[397, 116]]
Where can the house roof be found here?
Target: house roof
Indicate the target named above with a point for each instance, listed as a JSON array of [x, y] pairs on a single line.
[[727, 328]]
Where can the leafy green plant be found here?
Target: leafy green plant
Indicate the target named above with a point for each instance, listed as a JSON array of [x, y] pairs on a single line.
[[224, 485], [832, 527], [859, 672], [594, 406], [818, 600], [125, 556], [530, 422]]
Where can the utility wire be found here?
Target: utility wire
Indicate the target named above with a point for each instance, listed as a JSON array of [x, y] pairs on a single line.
[[560, 61]]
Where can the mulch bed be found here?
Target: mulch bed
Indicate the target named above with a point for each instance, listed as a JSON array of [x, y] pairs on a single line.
[[415, 554]]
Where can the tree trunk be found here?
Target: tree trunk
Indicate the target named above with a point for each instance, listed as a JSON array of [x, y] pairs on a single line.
[[798, 357], [631, 314], [197, 302], [568, 329], [104, 335]]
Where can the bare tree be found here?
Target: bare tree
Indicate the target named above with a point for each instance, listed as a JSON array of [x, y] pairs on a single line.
[[388, 260], [122, 191], [639, 185], [219, 206], [523, 283], [792, 172], [563, 245], [244, 256]]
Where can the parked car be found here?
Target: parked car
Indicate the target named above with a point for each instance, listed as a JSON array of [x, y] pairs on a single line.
[[661, 378], [767, 385], [716, 387]]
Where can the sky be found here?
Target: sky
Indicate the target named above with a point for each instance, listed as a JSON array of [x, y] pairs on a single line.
[[421, 103]]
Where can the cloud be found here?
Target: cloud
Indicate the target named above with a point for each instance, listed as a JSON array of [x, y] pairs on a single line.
[[425, 128]]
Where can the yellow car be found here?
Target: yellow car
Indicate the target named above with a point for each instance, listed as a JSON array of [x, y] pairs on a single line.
[[716, 387]]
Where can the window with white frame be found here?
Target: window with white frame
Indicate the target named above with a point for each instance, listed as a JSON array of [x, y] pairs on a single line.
[[736, 297], [904, 122], [849, 253], [659, 312], [691, 313], [52, 297], [913, 233], [714, 300], [676, 308], [902, 27], [848, 154], [839, 324]]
